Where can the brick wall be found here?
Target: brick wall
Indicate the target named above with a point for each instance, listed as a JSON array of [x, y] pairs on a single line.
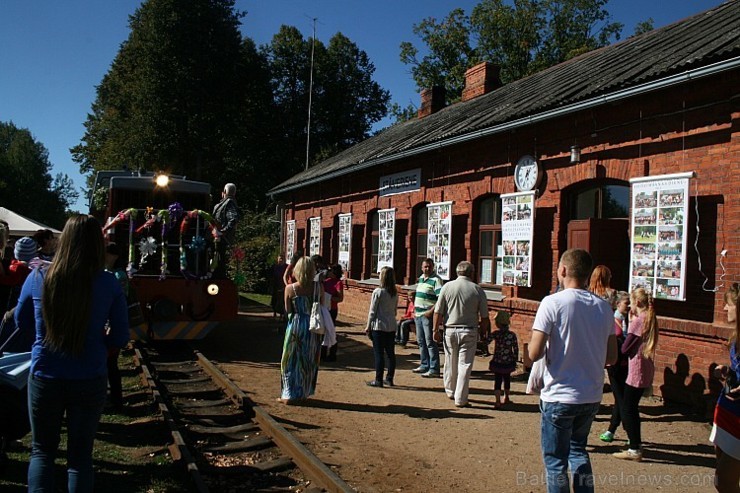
[[687, 128]]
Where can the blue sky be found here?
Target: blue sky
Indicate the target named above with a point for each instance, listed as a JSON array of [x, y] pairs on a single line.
[[53, 53]]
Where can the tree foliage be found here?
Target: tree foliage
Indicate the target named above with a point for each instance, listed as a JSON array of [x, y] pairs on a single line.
[[523, 37], [181, 96], [26, 185], [188, 94], [449, 53], [345, 100]]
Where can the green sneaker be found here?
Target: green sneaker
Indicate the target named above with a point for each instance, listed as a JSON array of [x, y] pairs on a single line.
[[607, 437]]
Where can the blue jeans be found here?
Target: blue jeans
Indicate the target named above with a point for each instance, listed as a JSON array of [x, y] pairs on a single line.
[[48, 399], [565, 429], [428, 350], [384, 342]]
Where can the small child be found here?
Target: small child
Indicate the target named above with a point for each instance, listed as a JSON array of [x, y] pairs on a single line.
[[505, 356], [404, 325]]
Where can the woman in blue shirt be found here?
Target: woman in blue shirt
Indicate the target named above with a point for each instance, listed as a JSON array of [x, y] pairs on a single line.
[[70, 303]]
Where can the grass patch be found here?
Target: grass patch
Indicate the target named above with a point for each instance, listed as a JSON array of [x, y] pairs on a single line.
[[262, 299], [130, 452]]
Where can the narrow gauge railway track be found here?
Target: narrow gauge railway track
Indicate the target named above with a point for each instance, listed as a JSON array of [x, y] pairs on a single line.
[[226, 441]]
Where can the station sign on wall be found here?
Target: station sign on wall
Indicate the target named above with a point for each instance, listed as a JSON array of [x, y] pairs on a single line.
[[658, 240], [439, 231], [517, 233], [407, 181], [345, 240], [386, 229]]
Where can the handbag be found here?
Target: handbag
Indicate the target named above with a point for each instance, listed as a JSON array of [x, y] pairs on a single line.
[[317, 322], [536, 381]]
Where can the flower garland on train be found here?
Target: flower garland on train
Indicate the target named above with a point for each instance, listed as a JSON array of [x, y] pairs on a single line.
[[167, 219], [198, 243]]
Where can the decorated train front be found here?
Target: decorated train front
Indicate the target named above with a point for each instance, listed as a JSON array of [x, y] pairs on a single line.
[[168, 255]]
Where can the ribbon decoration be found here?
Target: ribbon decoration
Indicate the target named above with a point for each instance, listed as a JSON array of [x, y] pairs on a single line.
[[198, 243]]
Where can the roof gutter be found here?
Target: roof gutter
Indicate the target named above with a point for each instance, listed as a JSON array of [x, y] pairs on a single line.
[[683, 77]]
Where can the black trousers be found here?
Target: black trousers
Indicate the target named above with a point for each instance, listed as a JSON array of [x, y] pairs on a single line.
[[617, 378], [631, 415]]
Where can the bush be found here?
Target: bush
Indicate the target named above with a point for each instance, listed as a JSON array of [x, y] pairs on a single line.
[[257, 236]]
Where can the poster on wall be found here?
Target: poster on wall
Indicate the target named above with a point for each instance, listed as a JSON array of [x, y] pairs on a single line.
[[386, 227], [289, 239], [314, 240], [345, 240], [658, 245], [439, 230], [517, 232]]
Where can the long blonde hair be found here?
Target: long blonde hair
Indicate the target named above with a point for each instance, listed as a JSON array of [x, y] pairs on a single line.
[[304, 272], [643, 299], [66, 299]]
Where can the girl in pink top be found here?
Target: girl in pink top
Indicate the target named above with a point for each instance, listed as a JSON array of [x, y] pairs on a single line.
[[639, 347]]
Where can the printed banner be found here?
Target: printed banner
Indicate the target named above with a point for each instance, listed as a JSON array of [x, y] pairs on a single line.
[[439, 230], [289, 239], [345, 240], [386, 227], [658, 247], [314, 241], [517, 232]]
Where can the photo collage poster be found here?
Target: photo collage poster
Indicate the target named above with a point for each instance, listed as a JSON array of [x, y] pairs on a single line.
[[345, 240], [658, 246], [439, 229], [517, 231], [314, 240], [386, 227], [289, 239]]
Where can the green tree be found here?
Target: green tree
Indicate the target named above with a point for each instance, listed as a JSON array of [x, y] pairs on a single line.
[[26, 185], [523, 38], [349, 101], [449, 53], [403, 114], [289, 60], [177, 97], [345, 100], [644, 26]]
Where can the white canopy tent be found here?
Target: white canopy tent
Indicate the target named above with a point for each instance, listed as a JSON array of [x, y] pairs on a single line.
[[21, 225]]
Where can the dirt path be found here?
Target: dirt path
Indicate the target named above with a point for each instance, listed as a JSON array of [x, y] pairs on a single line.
[[411, 438]]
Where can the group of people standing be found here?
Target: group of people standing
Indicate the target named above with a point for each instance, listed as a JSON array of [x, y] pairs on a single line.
[[454, 314], [76, 313], [583, 328]]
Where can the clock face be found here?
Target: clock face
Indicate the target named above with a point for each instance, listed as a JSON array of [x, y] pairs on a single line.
[[526, 173]]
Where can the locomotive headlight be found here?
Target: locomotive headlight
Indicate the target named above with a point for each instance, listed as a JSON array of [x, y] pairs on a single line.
[[212, 289], [162, 180]]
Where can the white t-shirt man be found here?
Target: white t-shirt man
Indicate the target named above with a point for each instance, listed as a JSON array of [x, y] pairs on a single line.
[[578, 324]]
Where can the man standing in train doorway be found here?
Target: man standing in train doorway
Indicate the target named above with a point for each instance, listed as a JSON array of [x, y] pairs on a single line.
[[226, 213], [428, 287]]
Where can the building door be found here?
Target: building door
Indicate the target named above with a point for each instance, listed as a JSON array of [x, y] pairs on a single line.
[[607, 241]]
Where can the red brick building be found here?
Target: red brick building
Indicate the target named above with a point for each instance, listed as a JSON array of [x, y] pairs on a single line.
[[661, 103]]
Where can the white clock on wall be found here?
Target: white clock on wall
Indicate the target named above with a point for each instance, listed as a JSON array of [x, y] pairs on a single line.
[[527, 174]]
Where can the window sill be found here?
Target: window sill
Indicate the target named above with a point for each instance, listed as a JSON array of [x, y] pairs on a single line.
[[373, 281], [494, 295]]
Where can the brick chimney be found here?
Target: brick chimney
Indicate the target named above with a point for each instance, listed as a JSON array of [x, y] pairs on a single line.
[[481, 79], [432, 100]]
